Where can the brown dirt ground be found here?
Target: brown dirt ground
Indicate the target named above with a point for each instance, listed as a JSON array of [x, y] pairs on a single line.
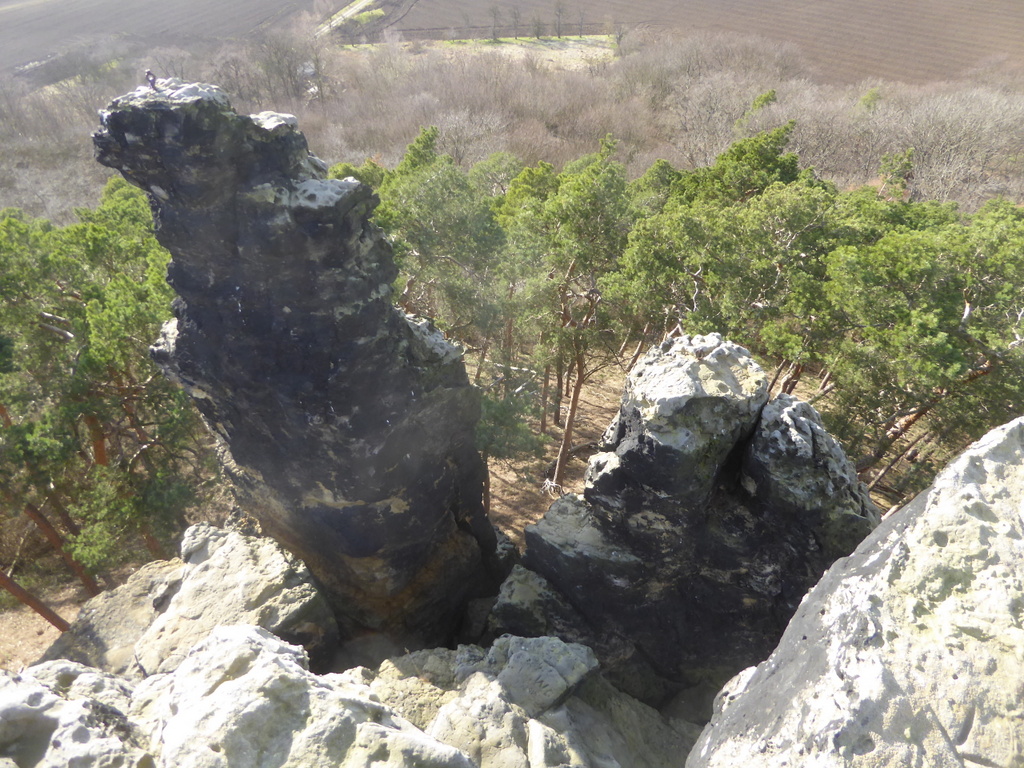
[[518, 497], [24, 634]]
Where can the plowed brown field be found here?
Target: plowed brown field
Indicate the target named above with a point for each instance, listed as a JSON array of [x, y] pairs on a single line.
[[31, 30], [843, 40]]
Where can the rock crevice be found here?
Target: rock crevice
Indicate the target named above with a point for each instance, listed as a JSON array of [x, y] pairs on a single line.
[[908, 652]]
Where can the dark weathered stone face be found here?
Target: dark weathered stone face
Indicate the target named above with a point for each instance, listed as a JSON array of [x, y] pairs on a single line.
[[705, 520], [346, 426], [907, 652]]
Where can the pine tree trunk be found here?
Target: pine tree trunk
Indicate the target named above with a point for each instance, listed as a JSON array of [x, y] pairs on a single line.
[[896, 460], [567, 392], [153, 545], [25, 597], [556, 402], [57, 542], [544, 400], [778, 373], [99, 443], [792, 379], [639, 348], [508, 334], [566, 447], [622, 346], [62, 513], [480, 363], [125, 395], [899, 427]]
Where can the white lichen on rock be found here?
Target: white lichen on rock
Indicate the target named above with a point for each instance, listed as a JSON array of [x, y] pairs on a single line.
[[321, 193], [688, 370], [428, 343], [272, 121], [910, 651], [173, 91]]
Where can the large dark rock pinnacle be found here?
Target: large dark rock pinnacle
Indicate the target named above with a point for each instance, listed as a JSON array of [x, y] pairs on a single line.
[[705, 519], [346, 425]]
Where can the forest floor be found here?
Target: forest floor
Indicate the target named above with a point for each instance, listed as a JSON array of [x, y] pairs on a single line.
[[518, 499], [24, 634]]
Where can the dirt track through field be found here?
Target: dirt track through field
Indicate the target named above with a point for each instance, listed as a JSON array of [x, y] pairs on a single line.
[[845, 41], [31, 30]]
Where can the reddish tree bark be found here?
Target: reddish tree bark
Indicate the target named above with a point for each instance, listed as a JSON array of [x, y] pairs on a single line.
[[792, 379], [898, 427], [25, 597], [565, 449], [544, 400], [62, 513], [99, 442], [639, 349], [57, 542]]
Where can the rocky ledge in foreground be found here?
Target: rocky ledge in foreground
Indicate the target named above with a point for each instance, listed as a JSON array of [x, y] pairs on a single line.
[[242, 697], [147, 625], [346, 425], [910, 651], [707, 516]]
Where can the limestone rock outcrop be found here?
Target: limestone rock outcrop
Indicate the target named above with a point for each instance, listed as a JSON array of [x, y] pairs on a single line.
[[54, 727], [108, 626], [148, 624], [244, 697], [706, 517], [908, 652], [529, 702], [346, 425]]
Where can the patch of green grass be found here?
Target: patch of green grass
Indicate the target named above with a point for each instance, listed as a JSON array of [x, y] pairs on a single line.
[[367, 16]]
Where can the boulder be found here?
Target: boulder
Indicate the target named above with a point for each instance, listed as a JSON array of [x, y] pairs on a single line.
[[346, 425], [908, 652], [705, 518], [528, 601], [685, 407], [243, 697], [223, 577], [41, 728], [73, 681], [533, 702], [108, 626], [789, 439]]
